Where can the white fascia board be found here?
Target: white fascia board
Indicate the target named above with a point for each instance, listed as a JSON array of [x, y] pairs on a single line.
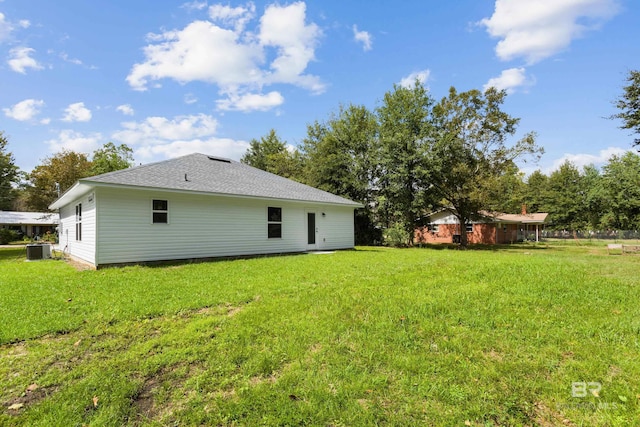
[[77, 190]]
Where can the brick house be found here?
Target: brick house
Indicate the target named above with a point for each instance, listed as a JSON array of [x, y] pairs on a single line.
[[492, 228]]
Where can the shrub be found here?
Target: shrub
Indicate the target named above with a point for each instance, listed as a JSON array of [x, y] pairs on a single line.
[[7, 236], [50, 237], [396, 236]]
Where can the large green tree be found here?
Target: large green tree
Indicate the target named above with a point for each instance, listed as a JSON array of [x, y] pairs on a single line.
[[506, 190], [9, 175], [111, 158], [593, 196], [271, 154], [629, 105], [621, 188], [566, 198], [469, 151], [54, 176], [340, 157], [536, 192], [405, 128]]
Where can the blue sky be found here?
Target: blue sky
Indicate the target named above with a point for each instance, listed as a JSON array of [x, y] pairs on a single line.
[[171, 78]]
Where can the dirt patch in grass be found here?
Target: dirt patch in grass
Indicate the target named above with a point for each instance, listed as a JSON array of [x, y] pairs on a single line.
[[169, 378], [229, 310], [232, 311], [144, 402], [493, 355], [547, 417], [79, 264], [33, 395], [18, 349]]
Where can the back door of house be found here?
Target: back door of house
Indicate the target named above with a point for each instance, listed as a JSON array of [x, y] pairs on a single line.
[[312, 230]]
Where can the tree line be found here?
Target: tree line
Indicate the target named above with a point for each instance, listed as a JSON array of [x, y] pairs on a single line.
[[36, 190], [589, 199], [410, 155]]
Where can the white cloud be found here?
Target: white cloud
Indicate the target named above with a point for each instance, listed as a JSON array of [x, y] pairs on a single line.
[[160, 130], [199, 52], [75, 141], [194, 5], [221, 147], [7, 27], [125, 109], [284, 28], [224, 53], [410, 80], [45, 121], [583, 159], [510, 80], [65, 57], [251, 102], [156, 138], [190, 98], [77, 113], [24, 110], [537, 29], [363, 37], [236, 17], [21, 60]]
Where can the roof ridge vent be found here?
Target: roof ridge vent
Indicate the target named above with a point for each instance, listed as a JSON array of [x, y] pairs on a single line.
[[219, 159]]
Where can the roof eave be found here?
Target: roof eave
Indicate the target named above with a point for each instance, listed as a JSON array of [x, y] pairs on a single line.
[[83, 186], [75, 191]]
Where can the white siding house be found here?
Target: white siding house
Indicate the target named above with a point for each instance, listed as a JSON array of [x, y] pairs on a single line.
[[198, 206]]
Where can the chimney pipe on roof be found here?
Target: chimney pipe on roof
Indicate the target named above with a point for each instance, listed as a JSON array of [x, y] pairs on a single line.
[[524, 209]]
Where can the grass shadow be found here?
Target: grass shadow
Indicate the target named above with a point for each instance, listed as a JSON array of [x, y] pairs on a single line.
[[187, 261], [13, 254], [484, 247]]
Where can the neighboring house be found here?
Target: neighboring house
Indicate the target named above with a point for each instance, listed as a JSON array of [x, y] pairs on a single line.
[[492, 228], [30, 224], [198, 206]]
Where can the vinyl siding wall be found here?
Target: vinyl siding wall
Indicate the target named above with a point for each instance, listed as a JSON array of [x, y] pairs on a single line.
[[83, 249], [201, 226], [335, 229]]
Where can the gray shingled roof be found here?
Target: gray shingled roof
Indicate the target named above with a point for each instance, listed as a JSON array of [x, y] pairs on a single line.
[[210, 174]]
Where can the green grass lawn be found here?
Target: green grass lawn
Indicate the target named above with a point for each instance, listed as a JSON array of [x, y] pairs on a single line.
[[522, 335]]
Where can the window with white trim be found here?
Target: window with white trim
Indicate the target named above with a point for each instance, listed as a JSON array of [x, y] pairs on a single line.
[[274, 223], [469, 228], [160, 211], [79, 222]]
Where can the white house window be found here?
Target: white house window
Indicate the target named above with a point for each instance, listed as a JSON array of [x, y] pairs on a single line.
[[274, 223], [469, 228], [79, 222], [160, 211], [435, 228]]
